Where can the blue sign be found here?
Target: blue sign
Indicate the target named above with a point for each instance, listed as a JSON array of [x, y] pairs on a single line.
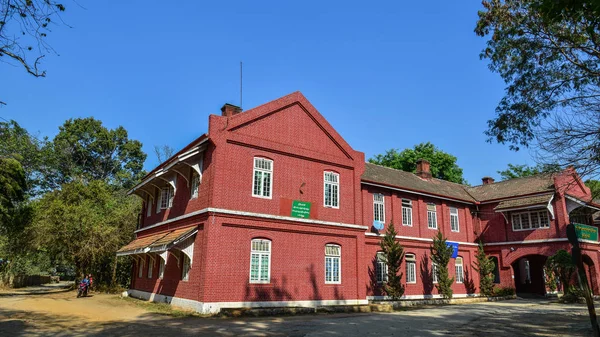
[[378, 225], [454, 246]]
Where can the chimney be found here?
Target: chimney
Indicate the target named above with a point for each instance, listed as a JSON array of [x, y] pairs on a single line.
[[487, 180], [229, 110], [423, 169]]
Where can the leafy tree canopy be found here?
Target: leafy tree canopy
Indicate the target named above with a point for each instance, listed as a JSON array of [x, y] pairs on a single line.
[[520, 171], [443, 165], [86, 150], [13, 187]]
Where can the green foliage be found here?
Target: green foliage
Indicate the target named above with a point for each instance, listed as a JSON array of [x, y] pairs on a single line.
[[394, 254], [504, 291], [562, 266], [86, 150], [84, 224], [547, 52], [443, 165], [440, 255], [520, 171], [13, 187], [594, 186], [485, 266]]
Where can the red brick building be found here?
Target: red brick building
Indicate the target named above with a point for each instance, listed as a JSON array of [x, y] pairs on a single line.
[[272, 207]]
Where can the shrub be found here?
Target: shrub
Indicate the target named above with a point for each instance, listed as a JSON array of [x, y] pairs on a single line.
[[440, 255], [485, 266], [504, 291], [394, 254]]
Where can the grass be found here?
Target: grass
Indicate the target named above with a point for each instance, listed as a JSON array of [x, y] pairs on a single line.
[[158, 308]]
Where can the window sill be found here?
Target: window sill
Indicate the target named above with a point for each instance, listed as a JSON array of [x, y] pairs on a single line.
[[261, 197]]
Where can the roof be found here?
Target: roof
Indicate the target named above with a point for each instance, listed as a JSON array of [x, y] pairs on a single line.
[[541, 200], [146, 243], [410, 181], [514, 187]]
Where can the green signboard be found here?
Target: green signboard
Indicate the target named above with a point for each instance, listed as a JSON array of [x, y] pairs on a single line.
[[300, 209], [585, 232]]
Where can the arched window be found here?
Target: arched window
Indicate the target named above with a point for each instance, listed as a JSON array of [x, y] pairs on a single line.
[[381, 267], [458, 264], [260, 261], [262, 180], [333, 257], [411, 268], [496, 269]]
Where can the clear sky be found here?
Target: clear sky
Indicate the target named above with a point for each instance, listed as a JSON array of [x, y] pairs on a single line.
[[384, 74]]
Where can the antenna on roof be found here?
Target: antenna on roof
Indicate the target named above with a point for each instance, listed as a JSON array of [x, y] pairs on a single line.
[[240, 84]]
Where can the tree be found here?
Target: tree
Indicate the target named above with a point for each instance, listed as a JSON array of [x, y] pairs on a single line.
[[548, 53], [13, 187], [485, 267], [561, 264], [594, 186], [163, 152], [443, 165], [24, 26], [86, 150], [394, 254], [17, 143], [520, 171], [440, 255], [84, 224]]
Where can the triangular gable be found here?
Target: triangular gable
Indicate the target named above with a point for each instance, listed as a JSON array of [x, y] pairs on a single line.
[[569, 182], [298, 124]]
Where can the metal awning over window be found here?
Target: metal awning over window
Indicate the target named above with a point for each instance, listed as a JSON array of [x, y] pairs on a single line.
[[531, 202], [160, 243]]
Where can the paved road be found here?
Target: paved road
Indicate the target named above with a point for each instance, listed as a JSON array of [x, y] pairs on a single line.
[[61, 314]]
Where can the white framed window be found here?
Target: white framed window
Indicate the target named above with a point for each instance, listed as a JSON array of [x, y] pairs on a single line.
[[195, 185], [331, 191], [158, 200], [434, 272], [140, 268], [530, 220], [379, 207], [161, 268], [431, 216], [185, 269], [381, 267], [411, 268], [262, 180], [458, 264], [454, 225], [150, 267], [406, 212], [166, 197], [260, 261], [333, 256]]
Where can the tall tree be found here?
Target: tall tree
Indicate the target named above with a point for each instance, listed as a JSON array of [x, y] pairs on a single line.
[[440, 255], [394, 254], [443, 165], [19, 144], [485, 267], [548, 53], [84, 224], [13, 188], [163, 152], [519, 171], [86, 150], [24, 28]]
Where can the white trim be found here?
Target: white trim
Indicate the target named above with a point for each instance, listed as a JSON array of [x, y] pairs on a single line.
[[581, 202], [538, 206], [215, 307], [262, 171], [417, 193], [256, 215], [337, 184], [418, 297], [260, 255], [420, 239], [525, 242]]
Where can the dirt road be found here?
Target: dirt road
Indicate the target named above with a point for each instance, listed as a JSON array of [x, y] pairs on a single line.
[[62, 314]]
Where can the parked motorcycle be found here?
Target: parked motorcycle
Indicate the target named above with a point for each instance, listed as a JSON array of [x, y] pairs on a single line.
[[82, 290]]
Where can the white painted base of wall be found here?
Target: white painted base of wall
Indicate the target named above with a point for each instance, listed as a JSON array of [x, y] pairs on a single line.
[[418, 297], [215, 307]]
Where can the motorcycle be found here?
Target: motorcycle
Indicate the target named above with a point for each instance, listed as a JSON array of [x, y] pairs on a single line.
[[82, 290]]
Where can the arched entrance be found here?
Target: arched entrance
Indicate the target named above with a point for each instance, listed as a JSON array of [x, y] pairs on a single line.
[[529, 274], [590, 272]]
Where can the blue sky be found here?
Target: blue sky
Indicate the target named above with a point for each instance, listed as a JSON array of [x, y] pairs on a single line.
[[384, 74]]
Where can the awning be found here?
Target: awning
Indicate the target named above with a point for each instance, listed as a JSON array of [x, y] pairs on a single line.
[[538, 201], [157, 243], [573, 203]]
